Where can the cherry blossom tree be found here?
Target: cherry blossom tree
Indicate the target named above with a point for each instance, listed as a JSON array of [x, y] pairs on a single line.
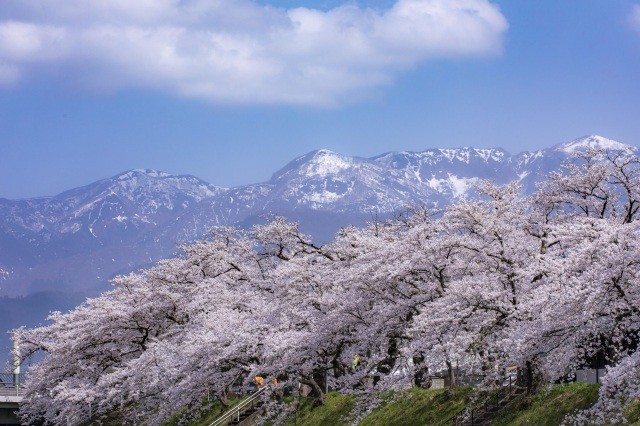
[[541, 282], [587, 302]]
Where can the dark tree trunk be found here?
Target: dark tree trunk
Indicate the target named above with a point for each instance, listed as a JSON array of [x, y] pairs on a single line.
[[338, 368], [451, 372], [386, 366], [317, 390], [532, 377], [320, 377], [224, 400], [422, 372]]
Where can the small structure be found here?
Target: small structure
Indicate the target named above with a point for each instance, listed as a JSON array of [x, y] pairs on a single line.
[[10, 390], [590, 375], [437, 383]]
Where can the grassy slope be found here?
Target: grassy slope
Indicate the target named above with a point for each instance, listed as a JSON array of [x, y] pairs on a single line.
[[208, 416], [335, 411], [549, 407], [418, 407], [413, 407], [434, 407]]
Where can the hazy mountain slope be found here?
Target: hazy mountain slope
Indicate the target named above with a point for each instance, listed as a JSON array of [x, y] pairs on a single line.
[[82, 237]]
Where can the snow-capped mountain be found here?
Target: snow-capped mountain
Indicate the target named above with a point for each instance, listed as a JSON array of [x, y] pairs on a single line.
[[86, 235], [593, 142], [326, 182], [132, 199]]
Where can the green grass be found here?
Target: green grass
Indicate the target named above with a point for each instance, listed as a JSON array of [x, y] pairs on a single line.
[[633, 413], [549, 407], [412, 407], [335, 411], [434, 407], [418, 407], [208, 416]]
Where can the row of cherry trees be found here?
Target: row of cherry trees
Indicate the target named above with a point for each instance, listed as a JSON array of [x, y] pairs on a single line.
[[540, 282]]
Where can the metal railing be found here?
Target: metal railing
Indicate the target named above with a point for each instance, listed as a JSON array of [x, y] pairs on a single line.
[[239, 408], [473, 413], [11, 386]]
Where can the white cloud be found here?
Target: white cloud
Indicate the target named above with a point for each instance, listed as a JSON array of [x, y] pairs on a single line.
[[635, 17], [238, 50]]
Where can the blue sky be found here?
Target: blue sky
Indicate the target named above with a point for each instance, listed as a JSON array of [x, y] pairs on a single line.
[[230, 91]]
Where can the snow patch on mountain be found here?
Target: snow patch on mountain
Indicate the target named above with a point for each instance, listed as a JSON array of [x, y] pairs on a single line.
[[330, 192], [466, 155], [142, 172], [526, 158], [487, 154], [435, 183], [326, 163], [593, 142], [458, 154], [458, 187], [140, 182], [70, 228]]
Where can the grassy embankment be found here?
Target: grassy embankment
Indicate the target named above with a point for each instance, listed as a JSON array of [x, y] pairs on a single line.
[[548, 407], [207, 417], [434, 407]]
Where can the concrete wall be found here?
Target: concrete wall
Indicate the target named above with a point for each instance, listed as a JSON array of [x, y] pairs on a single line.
[[590, 375], [7, 414]]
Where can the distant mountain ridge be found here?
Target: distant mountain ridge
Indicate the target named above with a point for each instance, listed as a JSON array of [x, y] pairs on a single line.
[[82, 237]]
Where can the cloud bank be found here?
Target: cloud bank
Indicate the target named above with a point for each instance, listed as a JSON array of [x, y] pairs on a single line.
[[238, 51]]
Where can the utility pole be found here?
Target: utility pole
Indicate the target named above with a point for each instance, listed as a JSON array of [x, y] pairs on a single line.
[[16, 361]]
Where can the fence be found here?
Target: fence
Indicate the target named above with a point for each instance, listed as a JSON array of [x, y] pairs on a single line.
[[235, 411], [489, 403], [11, 384]]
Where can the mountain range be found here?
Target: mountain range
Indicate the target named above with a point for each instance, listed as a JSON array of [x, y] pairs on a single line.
[[56, 251], [81, 238]]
